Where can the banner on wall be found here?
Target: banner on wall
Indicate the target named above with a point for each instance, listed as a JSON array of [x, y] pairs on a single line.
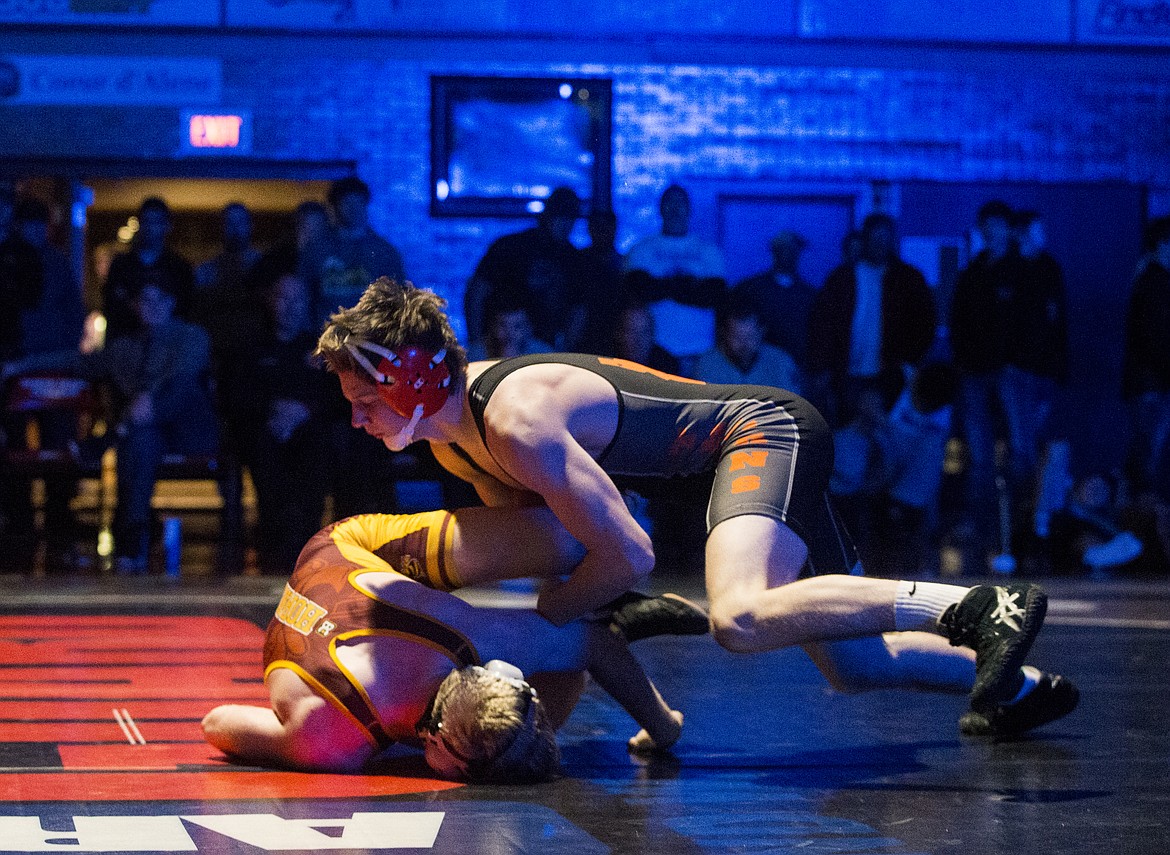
[[715, 17], [109, 80], [127, 12], [1036, 21], [1124, 21]]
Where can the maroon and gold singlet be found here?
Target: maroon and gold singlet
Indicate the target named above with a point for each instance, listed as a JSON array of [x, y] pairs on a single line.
[[322, 606]]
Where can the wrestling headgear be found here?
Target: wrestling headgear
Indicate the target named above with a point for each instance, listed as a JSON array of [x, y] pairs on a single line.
[[409, 379], [485, 724]]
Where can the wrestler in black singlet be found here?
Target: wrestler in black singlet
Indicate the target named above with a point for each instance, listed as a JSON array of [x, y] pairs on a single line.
[[769, 449]]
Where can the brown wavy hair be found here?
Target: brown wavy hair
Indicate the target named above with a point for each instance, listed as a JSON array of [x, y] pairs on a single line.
[[393, 315]]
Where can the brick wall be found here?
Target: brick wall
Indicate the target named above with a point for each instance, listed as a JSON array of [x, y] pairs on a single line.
[[671, 122]]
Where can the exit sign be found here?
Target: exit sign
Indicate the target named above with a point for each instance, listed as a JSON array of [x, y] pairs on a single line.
[[218, 133]]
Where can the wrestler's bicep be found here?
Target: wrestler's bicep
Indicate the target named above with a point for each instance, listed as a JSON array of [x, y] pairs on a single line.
[[575, 488]]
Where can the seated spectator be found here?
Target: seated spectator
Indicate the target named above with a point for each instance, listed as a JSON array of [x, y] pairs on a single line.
[[158, 378], [507, 330], [633, 339], [888, 462], [740, 355], [275, 404]]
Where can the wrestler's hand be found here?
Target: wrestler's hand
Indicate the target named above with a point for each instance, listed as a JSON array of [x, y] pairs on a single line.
[[641, 743]]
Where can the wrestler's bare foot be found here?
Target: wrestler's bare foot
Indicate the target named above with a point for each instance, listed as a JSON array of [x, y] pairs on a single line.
[[642, 743]]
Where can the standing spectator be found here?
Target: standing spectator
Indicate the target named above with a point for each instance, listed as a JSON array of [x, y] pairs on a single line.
[[981, 339], [359, 255], [276, 405], [355, 256], [873, 316], [689, 278], [158, 375], [21, 279], [508, 330], [1038, 350], [55, 323], [784, 296], [740, 355], [1146, 378], [226, 305], [21, 289], [603, 296], [149, 260], [540, 264]]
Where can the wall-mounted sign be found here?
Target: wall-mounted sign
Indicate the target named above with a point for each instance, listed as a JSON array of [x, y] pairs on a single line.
[[1124, 21], [106, 80], [127, 12], [221, 133]]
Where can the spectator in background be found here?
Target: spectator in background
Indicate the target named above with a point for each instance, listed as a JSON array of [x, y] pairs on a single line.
[[875, 315], [603, 295], [981, 341], [1037, 362], [57, 320], [688, 278], [541, 266], [354, 256], [741, 356], [632, 338], [508, 330], [149, 260], [358, 254], [275, 404], [21, 290], [159, 377], [229, 308], [55, 323], [21, 279], [888, 465], [851, 247], [785, 298], [224, 303], [1146, 377]]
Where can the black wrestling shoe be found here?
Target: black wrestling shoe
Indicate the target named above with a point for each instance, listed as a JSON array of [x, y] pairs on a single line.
[[1053, 697], [637, 616], [998, 622]]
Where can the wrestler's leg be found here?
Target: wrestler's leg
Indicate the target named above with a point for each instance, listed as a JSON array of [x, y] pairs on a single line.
[[758, 603], [491, 544], [895, 660]]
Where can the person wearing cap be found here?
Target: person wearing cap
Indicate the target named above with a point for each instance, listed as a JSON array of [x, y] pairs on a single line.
[[368, 648], [561, 430], [158, 375], [538, 266], [784, 296]]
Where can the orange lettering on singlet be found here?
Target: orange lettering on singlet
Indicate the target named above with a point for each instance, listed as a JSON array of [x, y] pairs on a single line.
[[642, 369], [745, 484], [743, 459]]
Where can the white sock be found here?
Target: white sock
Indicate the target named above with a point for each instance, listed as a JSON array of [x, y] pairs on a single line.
[[1031, 678], [919, 605]]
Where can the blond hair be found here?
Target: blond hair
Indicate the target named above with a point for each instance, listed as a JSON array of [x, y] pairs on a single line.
[[393, 315], [490, 729]]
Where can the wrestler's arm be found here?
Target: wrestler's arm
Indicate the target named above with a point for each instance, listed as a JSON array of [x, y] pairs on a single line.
[[310, 734], [615, 669], [540, 453]]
